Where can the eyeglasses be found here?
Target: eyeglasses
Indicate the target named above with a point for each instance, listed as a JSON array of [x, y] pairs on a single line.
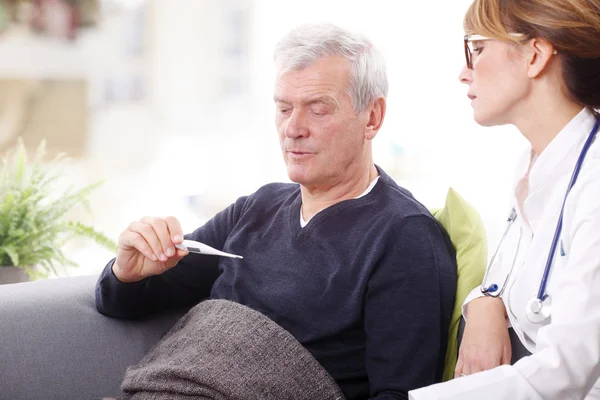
[[470, 52], [469, 39]]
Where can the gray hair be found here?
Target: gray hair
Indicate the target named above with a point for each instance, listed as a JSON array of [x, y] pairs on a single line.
[[305, 45]]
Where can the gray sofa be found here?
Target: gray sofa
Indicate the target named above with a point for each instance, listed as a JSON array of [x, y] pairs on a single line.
[[55, 345]]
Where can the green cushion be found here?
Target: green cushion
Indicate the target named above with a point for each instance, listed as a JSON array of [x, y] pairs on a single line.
[[465, 228]]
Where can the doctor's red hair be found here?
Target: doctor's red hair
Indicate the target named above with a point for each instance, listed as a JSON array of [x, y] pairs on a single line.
[[571, 26]]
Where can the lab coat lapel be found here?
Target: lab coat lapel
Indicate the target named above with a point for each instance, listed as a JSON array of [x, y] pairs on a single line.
[[555, 165], [548, 181]]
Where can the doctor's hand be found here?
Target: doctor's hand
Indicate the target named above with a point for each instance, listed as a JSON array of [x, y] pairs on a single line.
[[485, 342], [147, 247]]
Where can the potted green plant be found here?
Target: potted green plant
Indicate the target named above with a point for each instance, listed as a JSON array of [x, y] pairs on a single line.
[[33, 216]]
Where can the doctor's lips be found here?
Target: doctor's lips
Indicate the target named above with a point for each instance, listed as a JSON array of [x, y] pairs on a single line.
[[471, 96]]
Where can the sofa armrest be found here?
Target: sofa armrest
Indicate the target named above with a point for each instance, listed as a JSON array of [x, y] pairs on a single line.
[[54, 344]]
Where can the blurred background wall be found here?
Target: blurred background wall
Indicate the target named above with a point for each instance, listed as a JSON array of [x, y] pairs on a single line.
[[171, 102]]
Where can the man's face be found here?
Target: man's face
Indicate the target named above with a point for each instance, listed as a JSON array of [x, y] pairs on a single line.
[[322, 137]]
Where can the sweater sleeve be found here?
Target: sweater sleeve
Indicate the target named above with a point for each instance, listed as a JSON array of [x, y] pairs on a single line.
[[184, 285], [408, 306]]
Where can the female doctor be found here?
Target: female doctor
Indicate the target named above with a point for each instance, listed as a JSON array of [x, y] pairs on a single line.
[[535, 64]]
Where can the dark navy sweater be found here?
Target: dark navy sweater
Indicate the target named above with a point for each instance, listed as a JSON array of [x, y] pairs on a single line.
[[367, 286]]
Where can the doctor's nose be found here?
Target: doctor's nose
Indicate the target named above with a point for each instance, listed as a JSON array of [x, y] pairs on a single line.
[[466, 76]]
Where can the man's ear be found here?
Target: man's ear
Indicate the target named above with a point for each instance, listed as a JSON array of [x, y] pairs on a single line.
[[376, 116], [539, 55]]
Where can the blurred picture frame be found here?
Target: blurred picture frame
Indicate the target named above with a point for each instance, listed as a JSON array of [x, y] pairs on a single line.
[[54, 110]]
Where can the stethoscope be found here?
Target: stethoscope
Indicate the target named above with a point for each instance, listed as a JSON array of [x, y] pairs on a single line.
[[538, 308]]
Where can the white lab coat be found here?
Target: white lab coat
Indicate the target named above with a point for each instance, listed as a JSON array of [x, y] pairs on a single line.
[[565, 363]]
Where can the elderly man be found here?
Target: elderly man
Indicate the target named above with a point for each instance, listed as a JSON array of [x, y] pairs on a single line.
[[344, 259]]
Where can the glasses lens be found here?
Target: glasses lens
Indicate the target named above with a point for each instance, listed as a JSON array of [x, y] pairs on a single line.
[[468, 53]]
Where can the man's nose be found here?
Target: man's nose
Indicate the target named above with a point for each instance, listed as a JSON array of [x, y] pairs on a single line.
[[296, 125]]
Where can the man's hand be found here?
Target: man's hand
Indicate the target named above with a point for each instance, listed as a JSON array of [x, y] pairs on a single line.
[[147, 247], [485, 343]]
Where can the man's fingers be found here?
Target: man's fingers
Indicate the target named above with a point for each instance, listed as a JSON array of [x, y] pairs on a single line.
[[181, 253], [168, 230], [147, 232], [162, 232], [178, 256], [135, 240], [155, 239], [175, 230]]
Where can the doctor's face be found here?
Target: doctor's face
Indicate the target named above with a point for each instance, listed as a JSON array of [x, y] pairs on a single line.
[[321, 135], [498, 82]]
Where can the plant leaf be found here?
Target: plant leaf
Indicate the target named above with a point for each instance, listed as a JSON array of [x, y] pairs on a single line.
[[12, 254], [33, 212]]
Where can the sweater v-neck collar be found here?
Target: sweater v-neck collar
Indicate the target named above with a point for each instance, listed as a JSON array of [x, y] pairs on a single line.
[[294, 209]]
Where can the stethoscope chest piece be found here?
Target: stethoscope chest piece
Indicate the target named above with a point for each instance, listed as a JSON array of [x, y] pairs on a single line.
[[539, 310]]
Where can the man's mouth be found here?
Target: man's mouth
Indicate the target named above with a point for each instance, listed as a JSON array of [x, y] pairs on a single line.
[[299, 154]]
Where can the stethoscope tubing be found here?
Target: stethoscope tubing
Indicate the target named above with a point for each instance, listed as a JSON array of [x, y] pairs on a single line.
[[541, 292], [541, 295]]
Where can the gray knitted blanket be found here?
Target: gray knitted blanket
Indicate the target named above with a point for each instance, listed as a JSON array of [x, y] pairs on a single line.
[[221, 350]]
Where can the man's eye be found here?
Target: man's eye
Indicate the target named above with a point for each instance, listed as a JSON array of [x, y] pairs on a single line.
[[284, 110], [478, 50], [319, 111]]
